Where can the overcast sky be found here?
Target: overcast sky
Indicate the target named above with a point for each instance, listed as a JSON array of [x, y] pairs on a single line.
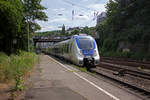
[[60, 12]]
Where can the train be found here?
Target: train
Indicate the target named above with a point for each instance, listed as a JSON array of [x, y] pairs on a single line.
[[80, 49]]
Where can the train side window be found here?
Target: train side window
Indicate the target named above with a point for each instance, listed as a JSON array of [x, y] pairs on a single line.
[[63, 49], [70, 47], [66, 48]]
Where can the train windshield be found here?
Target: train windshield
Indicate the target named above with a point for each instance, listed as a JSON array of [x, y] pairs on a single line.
[[85, 43]]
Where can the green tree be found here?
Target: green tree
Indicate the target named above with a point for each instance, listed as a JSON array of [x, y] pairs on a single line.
[[63, 30], [75, 32], [33, 10], [127, 21], [15, 16], [10, 24], [85, 30]]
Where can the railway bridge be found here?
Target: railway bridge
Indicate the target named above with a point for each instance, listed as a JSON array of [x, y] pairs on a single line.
[[44, 42]]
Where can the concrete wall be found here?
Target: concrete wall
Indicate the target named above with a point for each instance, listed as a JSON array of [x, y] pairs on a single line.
[[124, 45], [136, 47], [149, 47]]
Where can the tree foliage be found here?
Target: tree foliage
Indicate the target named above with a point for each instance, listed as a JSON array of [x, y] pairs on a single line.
[[33, 10], [63, 31], [127, 20], [10, 23], [49, 33], [14, 15]]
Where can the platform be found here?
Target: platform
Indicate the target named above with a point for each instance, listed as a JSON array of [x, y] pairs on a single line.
[[53, 80]]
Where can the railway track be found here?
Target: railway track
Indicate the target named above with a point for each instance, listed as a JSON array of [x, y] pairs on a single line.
[[119, 82], [127, 62], [125, 59], [127, 75], [126, 67], [122, 70]]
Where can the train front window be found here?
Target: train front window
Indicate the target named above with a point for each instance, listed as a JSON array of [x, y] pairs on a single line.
[[85, 43]]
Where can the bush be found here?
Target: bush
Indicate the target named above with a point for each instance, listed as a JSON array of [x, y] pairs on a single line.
[[4, 67], [138, 56], [110, 45], [147, 56], [14, 67], [132, 55]]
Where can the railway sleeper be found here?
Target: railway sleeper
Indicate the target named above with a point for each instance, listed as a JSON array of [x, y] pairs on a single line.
[[121, 72]]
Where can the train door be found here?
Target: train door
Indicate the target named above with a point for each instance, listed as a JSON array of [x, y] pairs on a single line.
[[70, 49]]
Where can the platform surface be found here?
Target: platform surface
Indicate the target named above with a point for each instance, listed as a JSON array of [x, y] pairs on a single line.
[[53, 80]]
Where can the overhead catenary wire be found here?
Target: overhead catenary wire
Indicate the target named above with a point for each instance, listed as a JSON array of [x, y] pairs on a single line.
[[77, 5], [83, 7]]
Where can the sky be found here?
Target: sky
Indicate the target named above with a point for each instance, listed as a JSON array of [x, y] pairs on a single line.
[[59, 12]]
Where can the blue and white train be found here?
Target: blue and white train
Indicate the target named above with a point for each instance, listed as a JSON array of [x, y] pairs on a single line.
[[80, 49]]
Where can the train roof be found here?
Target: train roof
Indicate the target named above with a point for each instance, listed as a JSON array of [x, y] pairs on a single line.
[[82, 36], [75, 37]]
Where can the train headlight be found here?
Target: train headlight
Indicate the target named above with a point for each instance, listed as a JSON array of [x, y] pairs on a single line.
[[80, 53], [95, 53]]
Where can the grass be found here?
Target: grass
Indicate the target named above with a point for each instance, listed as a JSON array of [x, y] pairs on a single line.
[[82, 69], [38, 59], [15, 67]]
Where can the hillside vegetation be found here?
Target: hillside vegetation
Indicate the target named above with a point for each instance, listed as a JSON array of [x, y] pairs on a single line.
[[126, 32], [64, 32]]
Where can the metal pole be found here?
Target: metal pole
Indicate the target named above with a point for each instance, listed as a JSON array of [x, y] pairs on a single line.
[[28, 38]]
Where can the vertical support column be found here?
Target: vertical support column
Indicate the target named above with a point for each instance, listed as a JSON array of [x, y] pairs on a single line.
[[28, 38]]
